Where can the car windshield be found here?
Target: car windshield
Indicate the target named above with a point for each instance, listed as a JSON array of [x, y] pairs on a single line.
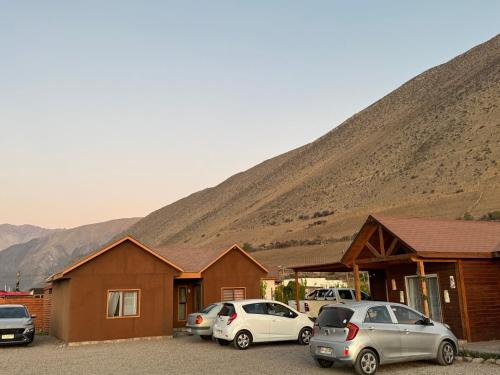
[[13, 313], [209, 308], [336, 317]]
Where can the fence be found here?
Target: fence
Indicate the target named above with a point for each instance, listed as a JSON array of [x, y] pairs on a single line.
[[37, 304]]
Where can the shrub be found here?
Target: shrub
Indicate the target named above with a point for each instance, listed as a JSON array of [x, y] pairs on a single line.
[[248, 246], [468, 216], [285, 293], [491, 216]]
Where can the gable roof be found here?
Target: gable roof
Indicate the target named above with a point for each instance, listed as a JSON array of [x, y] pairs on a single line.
[[438, 237], [184, 259], [105, 249], [199, 259]]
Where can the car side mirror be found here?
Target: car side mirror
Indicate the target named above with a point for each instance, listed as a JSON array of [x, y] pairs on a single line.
[[427, 322]]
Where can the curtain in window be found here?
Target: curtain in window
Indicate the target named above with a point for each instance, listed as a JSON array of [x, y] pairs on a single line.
[[113, 304]]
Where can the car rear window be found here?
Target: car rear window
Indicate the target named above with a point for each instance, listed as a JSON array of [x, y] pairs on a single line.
[[336, 317], [321, 292], [227, 310], [13, 313], [209, 308]]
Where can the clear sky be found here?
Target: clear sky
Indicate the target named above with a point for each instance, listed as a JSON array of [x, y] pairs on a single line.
[[113, 109]]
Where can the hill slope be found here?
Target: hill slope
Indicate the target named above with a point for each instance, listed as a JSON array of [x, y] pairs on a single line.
[[429, 148], [40, 257], [13, 234]]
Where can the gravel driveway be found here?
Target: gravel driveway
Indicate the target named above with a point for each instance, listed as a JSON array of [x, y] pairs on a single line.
[[190, 355]]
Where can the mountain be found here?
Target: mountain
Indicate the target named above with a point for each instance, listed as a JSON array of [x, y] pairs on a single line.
[[429, 148], [13, 234], [40, 257]]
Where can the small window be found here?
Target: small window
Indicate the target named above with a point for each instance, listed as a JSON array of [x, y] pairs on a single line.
[[233, 294], [378, 314], [123, 303], [277, 309], [345, 294], [256, 308], [407, 316], [182, 303]]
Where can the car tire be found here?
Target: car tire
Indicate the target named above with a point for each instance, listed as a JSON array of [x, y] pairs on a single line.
[[325, 363], [242, 340], [206, 337], [366, 363], [446, 353], [305, 336], [223, 342]]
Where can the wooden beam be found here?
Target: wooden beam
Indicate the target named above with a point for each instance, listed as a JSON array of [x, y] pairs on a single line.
[[372, 249], [392, 246], [394, 258], [357, 282], [423, 287], [381, 240], [462, 300], [297, 291], [353, 252]]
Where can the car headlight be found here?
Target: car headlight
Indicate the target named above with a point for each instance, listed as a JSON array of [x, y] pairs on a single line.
[[29, 330]]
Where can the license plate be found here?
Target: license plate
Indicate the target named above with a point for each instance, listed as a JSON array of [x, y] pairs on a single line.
[[325, 350], [7, 337]]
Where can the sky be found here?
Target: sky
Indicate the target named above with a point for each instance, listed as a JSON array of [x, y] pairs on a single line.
[[114, 109]]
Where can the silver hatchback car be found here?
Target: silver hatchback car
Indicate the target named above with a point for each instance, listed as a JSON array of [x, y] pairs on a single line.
[[368, 334]]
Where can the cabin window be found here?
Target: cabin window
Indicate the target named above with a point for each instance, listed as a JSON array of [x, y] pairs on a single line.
[[123, 303], [233, 294], [181, 309]]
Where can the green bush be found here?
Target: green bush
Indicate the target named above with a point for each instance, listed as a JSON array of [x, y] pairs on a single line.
[[285, 293]]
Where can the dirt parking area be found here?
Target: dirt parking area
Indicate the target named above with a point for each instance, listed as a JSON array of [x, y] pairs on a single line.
[[190, 355]]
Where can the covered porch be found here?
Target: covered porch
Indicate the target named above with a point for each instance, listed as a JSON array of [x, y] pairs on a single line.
[[401, 269]]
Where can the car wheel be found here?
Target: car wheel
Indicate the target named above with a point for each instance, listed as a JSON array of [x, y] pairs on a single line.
[[325, 363], [446, 354], [206, 337], [242, 340], [366, 363], [305, 336], [223, 342]]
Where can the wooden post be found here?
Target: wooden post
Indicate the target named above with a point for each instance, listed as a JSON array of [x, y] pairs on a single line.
[[462, 298], [297, 291], [423, 287], [357, 283]]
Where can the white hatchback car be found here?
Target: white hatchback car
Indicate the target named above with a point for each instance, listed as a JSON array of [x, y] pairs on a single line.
[[248, 321]]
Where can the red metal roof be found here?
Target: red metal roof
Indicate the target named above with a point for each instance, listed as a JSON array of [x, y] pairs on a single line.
[[12, 294], [444, 236]]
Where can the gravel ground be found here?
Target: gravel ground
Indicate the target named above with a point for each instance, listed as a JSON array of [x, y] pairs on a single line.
[[190, 355]]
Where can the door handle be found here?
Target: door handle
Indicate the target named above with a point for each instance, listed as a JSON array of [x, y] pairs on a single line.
[[371, 328], [407, 331]]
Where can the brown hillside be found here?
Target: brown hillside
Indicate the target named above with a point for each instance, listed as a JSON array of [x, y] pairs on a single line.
[[429, 148]]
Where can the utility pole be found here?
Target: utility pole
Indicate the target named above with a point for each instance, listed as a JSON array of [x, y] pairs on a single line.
[[18, 280]]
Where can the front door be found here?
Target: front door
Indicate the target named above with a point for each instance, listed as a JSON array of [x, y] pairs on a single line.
[[283, 323], [414, 295]]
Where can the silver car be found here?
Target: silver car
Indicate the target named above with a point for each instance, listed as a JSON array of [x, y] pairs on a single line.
[[202, 323], [368, 334], [16, 325]]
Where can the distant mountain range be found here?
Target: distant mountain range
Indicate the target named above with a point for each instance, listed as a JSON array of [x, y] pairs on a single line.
[[13, 234], [39, 257]]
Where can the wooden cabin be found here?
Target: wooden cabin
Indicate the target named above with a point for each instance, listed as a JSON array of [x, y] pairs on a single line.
[[447, 269], [129, 290]]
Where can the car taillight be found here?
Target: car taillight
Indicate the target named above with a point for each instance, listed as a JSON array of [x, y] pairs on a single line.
[[231, 318], [353, 331], [306, 307], [199, 320]]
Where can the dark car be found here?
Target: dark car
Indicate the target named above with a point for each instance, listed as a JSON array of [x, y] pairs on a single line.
[[16, 325]]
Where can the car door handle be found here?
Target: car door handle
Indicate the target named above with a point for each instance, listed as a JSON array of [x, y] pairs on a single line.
[[407, 331], [371, 328]]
